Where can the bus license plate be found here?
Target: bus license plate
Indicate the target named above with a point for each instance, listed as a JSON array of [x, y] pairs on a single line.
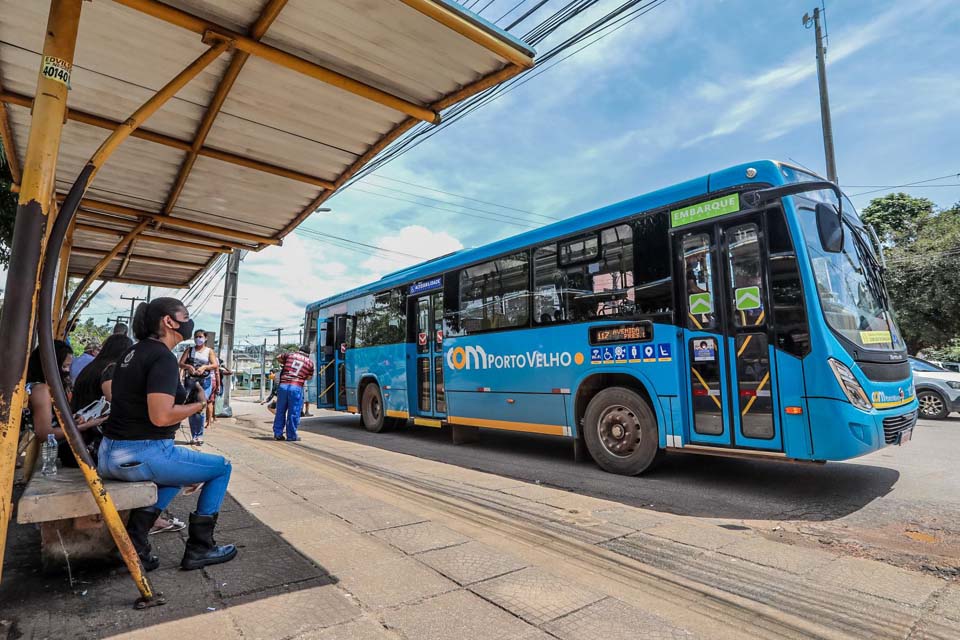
[[905, 436]]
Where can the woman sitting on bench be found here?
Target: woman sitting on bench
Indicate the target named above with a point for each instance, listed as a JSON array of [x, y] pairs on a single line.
[[149, 402], [39, 411]]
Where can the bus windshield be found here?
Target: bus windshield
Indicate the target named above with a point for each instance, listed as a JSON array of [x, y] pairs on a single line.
[[849, 283]]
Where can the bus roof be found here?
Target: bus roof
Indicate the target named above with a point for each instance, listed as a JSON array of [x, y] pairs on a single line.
[[768, 171]]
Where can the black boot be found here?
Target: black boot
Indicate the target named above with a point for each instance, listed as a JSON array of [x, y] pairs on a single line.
[[138, 528], [201, 549]]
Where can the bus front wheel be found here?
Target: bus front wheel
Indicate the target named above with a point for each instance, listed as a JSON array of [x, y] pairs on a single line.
[[371, 409], [620, 430]]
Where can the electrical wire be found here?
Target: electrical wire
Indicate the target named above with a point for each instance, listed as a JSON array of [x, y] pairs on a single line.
[[457, 195], [899, 186]]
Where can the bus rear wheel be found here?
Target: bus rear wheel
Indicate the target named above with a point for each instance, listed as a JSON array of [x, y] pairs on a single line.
[[620, 430], [372, 413]]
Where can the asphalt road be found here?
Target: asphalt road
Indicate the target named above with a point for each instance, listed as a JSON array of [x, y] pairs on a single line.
[[901, 504]]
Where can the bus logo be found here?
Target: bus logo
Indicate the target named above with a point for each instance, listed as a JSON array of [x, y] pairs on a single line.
[[473, 358]]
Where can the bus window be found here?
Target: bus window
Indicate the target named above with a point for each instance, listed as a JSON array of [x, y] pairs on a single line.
[[654, 290], [790, 326], [381, 319], [698, 274], [599, 288], [495, 295], [746, 285]]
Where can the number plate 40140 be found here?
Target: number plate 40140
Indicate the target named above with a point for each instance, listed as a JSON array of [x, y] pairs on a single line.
[[905, 436]]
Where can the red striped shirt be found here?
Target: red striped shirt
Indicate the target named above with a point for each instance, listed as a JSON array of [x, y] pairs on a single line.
[[297, 368]]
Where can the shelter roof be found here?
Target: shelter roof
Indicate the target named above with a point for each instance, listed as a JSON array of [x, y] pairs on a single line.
[[309, 92]]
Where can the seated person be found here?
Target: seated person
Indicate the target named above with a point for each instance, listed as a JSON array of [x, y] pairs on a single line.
[[149, 402]]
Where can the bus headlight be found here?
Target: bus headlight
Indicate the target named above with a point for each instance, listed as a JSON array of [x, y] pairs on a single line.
[[848, 382]]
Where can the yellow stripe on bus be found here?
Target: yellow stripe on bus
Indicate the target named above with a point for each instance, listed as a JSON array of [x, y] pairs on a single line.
[[393, 413], [896, 403], [509, 425]]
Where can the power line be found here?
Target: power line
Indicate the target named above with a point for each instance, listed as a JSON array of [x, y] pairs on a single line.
[[454, 204], [315, 232], [457, 195], [899, 186], [430, 206]]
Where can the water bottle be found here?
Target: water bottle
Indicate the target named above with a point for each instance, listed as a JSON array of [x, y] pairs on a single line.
[[48, 457]]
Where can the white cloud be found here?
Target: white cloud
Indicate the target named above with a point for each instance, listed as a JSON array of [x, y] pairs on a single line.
[[415, 240]]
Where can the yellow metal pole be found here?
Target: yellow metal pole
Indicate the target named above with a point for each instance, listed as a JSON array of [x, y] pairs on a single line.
[[59, 297], [39, 172], [471, 30]]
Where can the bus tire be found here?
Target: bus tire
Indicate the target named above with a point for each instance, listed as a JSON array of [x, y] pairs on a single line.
[[372, 413], [620, 430]]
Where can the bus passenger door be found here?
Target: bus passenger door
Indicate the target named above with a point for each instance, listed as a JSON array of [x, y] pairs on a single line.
[[326, 364], [704, 345], [427, 315], [750, 337], [343, 326]]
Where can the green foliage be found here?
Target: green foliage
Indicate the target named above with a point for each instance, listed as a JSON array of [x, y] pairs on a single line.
[[86, 331], [949, 353], [897, 217], [923, 260], [8, 210]]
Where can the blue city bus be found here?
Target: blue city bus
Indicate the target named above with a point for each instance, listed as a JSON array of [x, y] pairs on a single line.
[[742, 313]]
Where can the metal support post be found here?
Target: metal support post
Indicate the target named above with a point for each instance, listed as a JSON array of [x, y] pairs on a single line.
[[263, 368], [825, 120], [27, 248], [228, 320]]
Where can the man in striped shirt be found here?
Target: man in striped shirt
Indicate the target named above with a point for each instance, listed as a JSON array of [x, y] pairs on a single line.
[[296, 369]]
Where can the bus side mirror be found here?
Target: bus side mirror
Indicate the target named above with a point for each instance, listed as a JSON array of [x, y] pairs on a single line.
[[829, 227]]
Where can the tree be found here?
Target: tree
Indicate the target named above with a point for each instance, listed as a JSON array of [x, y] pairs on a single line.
[[923, 267], [897, 216], [8, 209], [87, 331]]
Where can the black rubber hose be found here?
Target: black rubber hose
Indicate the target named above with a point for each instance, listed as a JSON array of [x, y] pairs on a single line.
[[48, 281]]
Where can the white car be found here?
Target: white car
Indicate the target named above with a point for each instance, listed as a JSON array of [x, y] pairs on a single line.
[[938, 390]]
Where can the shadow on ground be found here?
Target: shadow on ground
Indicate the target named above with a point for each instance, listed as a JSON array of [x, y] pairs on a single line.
[[684, 484], [43, 604]]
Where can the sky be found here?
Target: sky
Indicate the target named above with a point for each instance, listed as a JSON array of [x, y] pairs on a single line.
[[689, 88]]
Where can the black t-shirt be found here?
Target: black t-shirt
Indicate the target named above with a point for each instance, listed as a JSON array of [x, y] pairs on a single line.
[[148, 367]]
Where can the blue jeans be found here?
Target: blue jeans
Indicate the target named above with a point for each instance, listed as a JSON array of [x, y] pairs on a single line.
[[289, 404], [197, 420], [170, 466]]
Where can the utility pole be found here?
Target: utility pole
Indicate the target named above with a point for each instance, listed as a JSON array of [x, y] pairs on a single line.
[[149, 293], [825, 121], [228, 320], [263, 368], [278, 330], [133, 303]]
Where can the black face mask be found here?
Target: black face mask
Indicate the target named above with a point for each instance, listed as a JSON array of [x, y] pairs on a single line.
[[185, 329]]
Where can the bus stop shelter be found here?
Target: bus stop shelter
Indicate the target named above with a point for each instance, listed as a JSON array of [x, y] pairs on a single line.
[[147, 138]]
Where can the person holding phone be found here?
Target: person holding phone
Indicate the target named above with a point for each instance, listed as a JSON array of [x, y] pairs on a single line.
[[200, 361], [39, 411], [88, 388], [149, 402]]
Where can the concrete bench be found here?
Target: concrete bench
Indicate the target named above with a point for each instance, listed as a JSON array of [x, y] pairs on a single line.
[[70, 522]]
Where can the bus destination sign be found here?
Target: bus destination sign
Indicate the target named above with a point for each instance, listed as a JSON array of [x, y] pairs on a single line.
[[629, 332], [426, 285]]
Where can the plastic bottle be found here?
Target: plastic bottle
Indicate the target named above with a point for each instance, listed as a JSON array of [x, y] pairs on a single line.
[[48, 456]]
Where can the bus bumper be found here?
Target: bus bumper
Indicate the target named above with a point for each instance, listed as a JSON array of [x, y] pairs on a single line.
[[840, 431]]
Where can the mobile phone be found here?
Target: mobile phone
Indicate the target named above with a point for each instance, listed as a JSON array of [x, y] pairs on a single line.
[[94, 410]]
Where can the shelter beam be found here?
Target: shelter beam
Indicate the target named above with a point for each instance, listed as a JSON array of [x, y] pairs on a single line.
[[175, 143], [9, 144], [212, 31], [109, 256], [147, 237], [27, 247]]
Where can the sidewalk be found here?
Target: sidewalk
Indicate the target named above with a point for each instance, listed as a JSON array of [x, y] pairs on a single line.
[[344, 541]]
